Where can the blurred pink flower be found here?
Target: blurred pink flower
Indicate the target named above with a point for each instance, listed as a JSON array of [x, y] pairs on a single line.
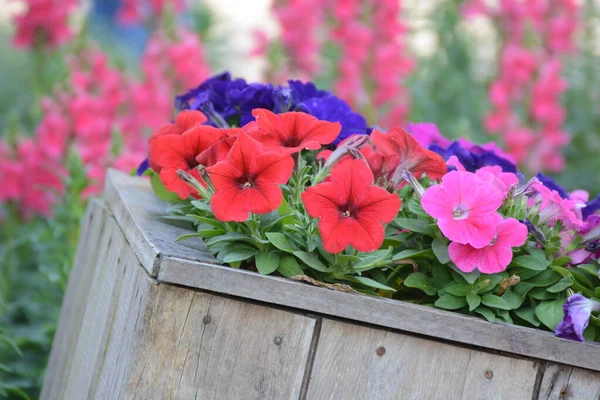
[[45, 20]]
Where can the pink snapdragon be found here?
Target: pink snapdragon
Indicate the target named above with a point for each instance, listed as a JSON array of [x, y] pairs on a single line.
[[497, 255], [465, 208], [300, 20], [135, 11], [529, 78], [45, 20]]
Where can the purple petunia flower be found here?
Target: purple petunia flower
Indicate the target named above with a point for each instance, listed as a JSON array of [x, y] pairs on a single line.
[[475, 157], [590, 208], [226, 101], [578, 310], [552, 185], [333, 109]]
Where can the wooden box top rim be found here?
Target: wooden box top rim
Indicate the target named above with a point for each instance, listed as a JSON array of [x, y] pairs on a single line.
[[188, 263]]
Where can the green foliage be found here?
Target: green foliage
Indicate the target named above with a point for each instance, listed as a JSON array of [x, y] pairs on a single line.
[[35, 261]]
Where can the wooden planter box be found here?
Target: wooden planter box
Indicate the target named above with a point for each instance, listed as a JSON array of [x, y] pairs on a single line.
[[145, 317]]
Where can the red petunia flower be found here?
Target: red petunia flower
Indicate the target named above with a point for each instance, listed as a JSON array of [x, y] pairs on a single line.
[[219, 150], [170, 152], [401, 151], [185, 120], [293, 131], [248, 180], [351, 210]]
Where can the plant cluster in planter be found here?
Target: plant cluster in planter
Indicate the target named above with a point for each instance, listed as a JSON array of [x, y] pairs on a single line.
[[288, 180]]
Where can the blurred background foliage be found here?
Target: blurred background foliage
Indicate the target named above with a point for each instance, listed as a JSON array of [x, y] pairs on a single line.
[[448, 85]]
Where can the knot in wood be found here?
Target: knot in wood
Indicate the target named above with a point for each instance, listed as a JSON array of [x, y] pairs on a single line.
[[278, 340], [380, 351], [206, 320], [489, 374]]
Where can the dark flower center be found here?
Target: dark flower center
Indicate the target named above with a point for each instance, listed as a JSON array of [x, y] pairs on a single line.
[[191, 162], [291, 141], [348, 210]]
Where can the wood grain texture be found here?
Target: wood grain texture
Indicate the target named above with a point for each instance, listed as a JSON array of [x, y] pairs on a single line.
[[357, 362], [90, 346], [94, 240], [197, 345], [561, 382], [138, 210], [382, 312], [131, 199]]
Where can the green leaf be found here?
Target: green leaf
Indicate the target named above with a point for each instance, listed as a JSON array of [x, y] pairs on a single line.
[[458, 289], [229, 237], [280, 241], [494, 301], [591, 269], [285, 210], [550, 313], [442, 275], [160, 190], [368, 282], [545, 278], [266, 262], [201, 205], [450, 302], [539, 254], [560, 261], [288, 267], [469, 277], [412, 253], [486, 313], [513, 298], [414, 225], [528, 314], [440, 249], [419, 280], [311, 260], [473, 300], [239, 255], [541, 294], [531, 262], [367, 261], [209, 233], [561, 285], [187, 236]]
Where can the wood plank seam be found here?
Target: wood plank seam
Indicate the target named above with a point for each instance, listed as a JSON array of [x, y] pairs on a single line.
[[538, 379], [310, 362]]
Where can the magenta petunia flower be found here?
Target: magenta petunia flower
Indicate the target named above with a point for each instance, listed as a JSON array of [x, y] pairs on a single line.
[[578, 310], [496, 256], [465, 207]]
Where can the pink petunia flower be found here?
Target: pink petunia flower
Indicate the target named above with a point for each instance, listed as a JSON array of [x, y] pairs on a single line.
[[465, 207], [496, 256]]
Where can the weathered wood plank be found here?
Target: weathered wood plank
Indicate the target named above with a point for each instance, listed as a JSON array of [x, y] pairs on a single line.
[[357, 362], [94, 240], [383, 312], [90, 347], [178, 265], [561, 382], [137, 291], [197, 345], [138, 211]]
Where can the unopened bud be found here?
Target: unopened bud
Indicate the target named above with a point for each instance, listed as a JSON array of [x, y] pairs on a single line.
[[193, 182], [350, 147], [411, 180]]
